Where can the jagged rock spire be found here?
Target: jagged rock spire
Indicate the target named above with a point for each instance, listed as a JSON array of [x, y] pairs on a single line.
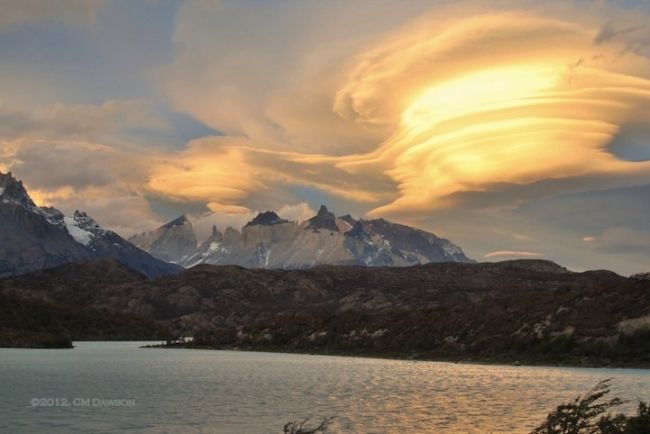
[[216, 235], [323, 220], [12, 190]]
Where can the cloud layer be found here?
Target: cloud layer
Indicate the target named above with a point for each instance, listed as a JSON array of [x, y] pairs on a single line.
[[462, 117], [464, 102]]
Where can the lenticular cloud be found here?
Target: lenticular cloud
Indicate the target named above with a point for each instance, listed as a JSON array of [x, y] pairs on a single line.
[[503, 98]]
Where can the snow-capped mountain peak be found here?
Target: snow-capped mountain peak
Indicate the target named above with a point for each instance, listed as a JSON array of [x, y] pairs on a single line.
[[41, 237]]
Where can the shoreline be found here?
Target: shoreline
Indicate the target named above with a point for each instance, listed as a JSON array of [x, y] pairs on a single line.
[[493, 361]]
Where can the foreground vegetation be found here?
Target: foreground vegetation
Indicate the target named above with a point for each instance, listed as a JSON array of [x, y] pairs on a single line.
[[591, 414], [300, 427]]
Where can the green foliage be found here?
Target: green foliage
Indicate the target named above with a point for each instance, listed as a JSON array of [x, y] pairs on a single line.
[[587, 415]]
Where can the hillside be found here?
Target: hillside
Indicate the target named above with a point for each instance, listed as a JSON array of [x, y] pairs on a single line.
[[57, 308], [528, 310]]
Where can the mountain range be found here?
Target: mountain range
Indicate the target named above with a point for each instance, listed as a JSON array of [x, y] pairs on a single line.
[[34, 238], [268, 241]]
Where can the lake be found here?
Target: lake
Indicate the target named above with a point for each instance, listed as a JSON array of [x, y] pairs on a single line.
[[117, 387]]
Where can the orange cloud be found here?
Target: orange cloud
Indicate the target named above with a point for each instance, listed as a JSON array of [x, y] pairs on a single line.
[[464, 100], [509, 98], [212, 169]]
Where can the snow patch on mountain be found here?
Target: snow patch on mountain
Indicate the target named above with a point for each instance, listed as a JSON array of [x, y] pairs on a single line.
[[214, 250], [80, 235], [83, 228]]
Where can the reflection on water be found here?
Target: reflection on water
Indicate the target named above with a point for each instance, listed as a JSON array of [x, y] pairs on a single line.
[[240, 392]]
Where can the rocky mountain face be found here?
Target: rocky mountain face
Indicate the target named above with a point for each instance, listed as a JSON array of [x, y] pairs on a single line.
[[269, 241], [33, 238], [528, 310], [172, 242], [107, 244]]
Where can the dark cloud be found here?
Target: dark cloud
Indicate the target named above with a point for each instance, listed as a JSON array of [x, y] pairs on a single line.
[[593, 211]]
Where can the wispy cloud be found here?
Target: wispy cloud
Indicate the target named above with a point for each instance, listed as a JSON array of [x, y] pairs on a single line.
[[453, 100], [512, 254]]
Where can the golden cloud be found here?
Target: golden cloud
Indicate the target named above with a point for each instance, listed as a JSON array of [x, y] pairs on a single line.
[[467, 101], [503, 98], [211, 168]]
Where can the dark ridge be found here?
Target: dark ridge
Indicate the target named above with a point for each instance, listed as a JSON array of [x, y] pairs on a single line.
[[266, 218], [82, 276]]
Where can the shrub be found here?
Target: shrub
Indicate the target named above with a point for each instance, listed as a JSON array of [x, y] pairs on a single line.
[[587, 415]]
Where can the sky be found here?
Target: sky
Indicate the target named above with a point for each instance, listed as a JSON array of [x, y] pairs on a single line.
[[517, 129]]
